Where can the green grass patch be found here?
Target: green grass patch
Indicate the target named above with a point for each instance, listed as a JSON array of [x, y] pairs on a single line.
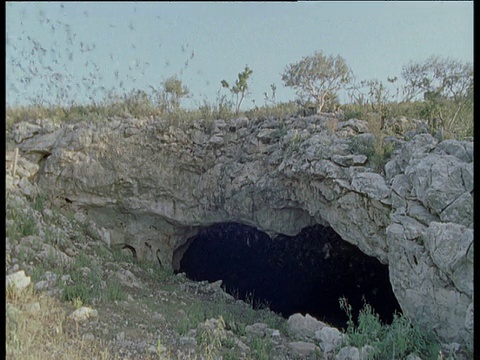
[[77, 291], [394, 341], [114, 292], [261, 348], [22, 224], [236, 317], [39, 202]]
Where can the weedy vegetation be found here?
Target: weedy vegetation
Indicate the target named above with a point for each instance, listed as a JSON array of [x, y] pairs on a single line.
[[395, 341]]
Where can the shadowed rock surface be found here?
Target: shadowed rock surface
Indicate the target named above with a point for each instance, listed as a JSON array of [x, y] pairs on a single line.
[[307, 273]]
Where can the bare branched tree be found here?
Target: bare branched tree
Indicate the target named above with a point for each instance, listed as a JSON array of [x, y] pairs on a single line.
[[445, 77], [440, 80]]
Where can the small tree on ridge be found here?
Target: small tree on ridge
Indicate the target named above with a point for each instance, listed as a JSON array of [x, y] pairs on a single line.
[[174, 92], [240, 88], [317, 77]]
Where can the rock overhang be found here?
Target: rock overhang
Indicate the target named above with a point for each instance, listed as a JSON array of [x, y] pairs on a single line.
[[146, 182]]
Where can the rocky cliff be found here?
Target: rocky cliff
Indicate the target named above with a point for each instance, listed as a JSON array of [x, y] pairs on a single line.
[[151, 184]]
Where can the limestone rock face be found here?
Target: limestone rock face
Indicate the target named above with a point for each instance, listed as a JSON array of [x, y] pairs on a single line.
[[151, 185]]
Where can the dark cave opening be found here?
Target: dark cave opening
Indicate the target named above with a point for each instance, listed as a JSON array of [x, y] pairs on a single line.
[[307, 273]]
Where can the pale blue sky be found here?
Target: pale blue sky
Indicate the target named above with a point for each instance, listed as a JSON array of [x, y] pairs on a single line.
[[84, 44]]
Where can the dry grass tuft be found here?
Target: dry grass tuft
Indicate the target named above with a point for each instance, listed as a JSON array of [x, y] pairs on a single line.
[[37, 328]]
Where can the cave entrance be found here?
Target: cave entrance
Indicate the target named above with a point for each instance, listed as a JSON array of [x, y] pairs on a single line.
[[307, 273]]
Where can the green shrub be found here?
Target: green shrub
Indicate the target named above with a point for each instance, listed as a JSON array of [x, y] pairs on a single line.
[[82, 260], [402, 338], [23, 223], [281, 131], [114, 292], [261, 348], [27, 225], [220, 109], [374, 148], [394, 341], [39, 202], [294, 144], [77, 291]]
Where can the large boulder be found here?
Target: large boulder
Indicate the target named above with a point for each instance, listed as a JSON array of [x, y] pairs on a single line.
[[304, 326]]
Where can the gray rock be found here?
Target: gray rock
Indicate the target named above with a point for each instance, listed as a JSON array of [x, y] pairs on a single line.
[[66, 279], [27, 188], [274, 333], [244, 348], [304, 349], [451, 248], [348, 353], [187, 341], [330, 338], [215, 286], [370, 184], [257, 329], [127, 278], [29, 167], [360, 126], [451, 348], [216, 140], [438, 181], [419, 212], [422, 261], [48, 251], [82, 314], [51, 277], [349, 160], [417, 147], [469, 318], [24, 130], [304, 326], [41, 285], [158, 317], [17, 281], [265, 135], [460, 211], [456, 148]]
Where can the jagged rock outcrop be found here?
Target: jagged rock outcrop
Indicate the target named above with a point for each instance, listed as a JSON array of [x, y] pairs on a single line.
[[151, 185]]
